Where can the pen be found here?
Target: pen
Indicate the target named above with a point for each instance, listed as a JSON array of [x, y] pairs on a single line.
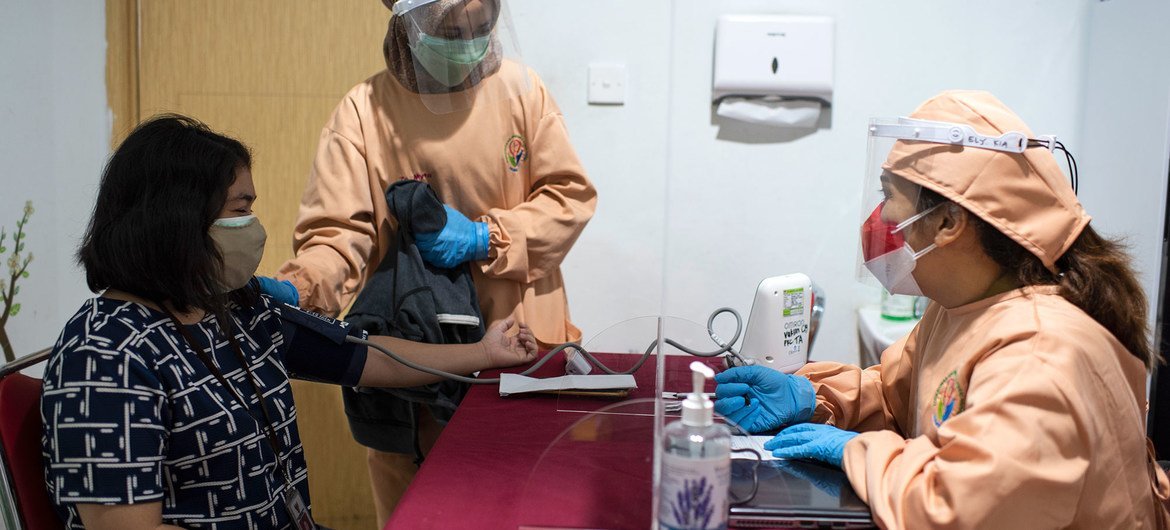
[[683, 395], [747, 400]]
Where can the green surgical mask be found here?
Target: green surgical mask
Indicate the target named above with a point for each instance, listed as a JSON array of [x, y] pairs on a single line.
[[450, 61]]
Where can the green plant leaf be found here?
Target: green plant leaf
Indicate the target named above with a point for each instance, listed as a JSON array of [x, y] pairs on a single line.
[[15, 309], [24, 274], [3, 250]]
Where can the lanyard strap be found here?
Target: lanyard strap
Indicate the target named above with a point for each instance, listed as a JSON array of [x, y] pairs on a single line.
[[268, 428]]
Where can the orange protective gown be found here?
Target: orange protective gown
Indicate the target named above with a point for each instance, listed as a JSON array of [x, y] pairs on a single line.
[[507, 163], [1016, 411]]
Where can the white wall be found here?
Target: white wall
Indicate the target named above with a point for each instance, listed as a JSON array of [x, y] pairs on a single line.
[[735, 212], [54, 137], [689, 218], [1125, 119], [614, 272]]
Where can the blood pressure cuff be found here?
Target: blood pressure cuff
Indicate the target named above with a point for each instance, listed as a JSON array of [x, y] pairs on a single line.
[[315, 348]]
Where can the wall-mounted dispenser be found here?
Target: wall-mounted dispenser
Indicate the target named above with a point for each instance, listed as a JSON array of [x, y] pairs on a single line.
[[773, 69]]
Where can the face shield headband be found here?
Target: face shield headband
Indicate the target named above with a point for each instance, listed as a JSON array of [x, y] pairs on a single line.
[[961, 134]]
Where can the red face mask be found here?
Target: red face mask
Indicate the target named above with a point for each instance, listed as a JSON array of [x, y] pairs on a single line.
[[878, 237]]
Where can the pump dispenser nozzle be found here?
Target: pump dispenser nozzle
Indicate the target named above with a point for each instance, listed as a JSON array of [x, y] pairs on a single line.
[[698, 410]]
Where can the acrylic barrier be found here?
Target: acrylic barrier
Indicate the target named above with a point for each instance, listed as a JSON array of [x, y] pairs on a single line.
[[602, 470], [559, 460]]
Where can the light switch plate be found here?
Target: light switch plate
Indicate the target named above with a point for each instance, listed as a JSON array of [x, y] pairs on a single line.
[[607, 84]]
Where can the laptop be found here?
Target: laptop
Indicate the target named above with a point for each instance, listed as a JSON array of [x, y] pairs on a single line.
[[795, 493]]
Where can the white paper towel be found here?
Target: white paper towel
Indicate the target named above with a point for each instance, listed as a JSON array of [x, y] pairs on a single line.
[[775, 113], [519, 384]]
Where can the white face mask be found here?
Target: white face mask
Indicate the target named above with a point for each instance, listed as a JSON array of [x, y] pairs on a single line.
[[894, 270], [241, 243]]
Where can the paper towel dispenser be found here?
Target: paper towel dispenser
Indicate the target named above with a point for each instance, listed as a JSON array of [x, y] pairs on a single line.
[[774, 57]]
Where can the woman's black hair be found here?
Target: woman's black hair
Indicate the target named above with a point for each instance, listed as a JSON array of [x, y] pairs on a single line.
[[160, 192], [1095, 275]]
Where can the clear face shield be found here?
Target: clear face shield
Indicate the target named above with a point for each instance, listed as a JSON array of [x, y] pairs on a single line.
[[464, 52], [890, 203]]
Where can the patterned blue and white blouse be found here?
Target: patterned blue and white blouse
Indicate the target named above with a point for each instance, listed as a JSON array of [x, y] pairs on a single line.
[[132, 416]]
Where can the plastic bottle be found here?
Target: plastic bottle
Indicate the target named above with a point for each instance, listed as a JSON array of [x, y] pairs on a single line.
[[696, 464], [897, 306], [920, 304]]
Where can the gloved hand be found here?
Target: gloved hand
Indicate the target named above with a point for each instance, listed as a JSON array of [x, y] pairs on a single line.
[[817, 441], [761, 399], [460, 240], [280, 290]]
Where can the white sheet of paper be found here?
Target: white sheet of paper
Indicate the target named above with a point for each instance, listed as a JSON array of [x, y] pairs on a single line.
[[519, 384], [751, 442]]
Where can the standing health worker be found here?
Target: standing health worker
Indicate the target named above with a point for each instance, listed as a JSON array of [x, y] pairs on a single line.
[[1019, 400], [455, 108]]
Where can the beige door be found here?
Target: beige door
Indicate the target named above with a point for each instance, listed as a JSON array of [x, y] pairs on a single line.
[[267, 72]]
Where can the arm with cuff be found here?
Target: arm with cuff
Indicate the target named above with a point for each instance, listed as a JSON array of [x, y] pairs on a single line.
[[316, 349], [496, 350], [460, 359]]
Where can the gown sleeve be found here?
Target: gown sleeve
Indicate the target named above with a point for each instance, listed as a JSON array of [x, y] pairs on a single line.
[[336, 230], [1015, 457], [531, 239]]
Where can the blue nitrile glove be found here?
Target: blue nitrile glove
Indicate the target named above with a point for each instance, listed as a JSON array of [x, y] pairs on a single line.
[[773, 399], [460, 240], [280, 290], [817, 441]]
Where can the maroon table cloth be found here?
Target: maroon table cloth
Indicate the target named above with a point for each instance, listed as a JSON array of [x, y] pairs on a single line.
[[502, 462]]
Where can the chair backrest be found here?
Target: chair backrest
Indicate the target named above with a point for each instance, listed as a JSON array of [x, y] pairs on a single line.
[[20, 439]]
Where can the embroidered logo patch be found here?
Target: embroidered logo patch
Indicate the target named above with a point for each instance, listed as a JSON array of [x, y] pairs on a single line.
[[948, 399], [515, 152]]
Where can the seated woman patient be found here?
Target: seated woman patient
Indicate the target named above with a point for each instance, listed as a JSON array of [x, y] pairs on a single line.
[[166, 401]]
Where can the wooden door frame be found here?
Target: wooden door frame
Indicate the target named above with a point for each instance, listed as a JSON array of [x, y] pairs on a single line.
[[122, 67]]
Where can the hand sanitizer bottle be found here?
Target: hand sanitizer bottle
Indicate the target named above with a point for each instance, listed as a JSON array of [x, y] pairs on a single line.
[[696, 464]]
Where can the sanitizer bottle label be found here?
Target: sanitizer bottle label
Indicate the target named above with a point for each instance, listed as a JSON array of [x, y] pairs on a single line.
[[694, 493]]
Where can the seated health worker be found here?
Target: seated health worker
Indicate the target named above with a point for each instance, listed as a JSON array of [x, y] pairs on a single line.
[[1019, 399], [166, 400], [455, 108]]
